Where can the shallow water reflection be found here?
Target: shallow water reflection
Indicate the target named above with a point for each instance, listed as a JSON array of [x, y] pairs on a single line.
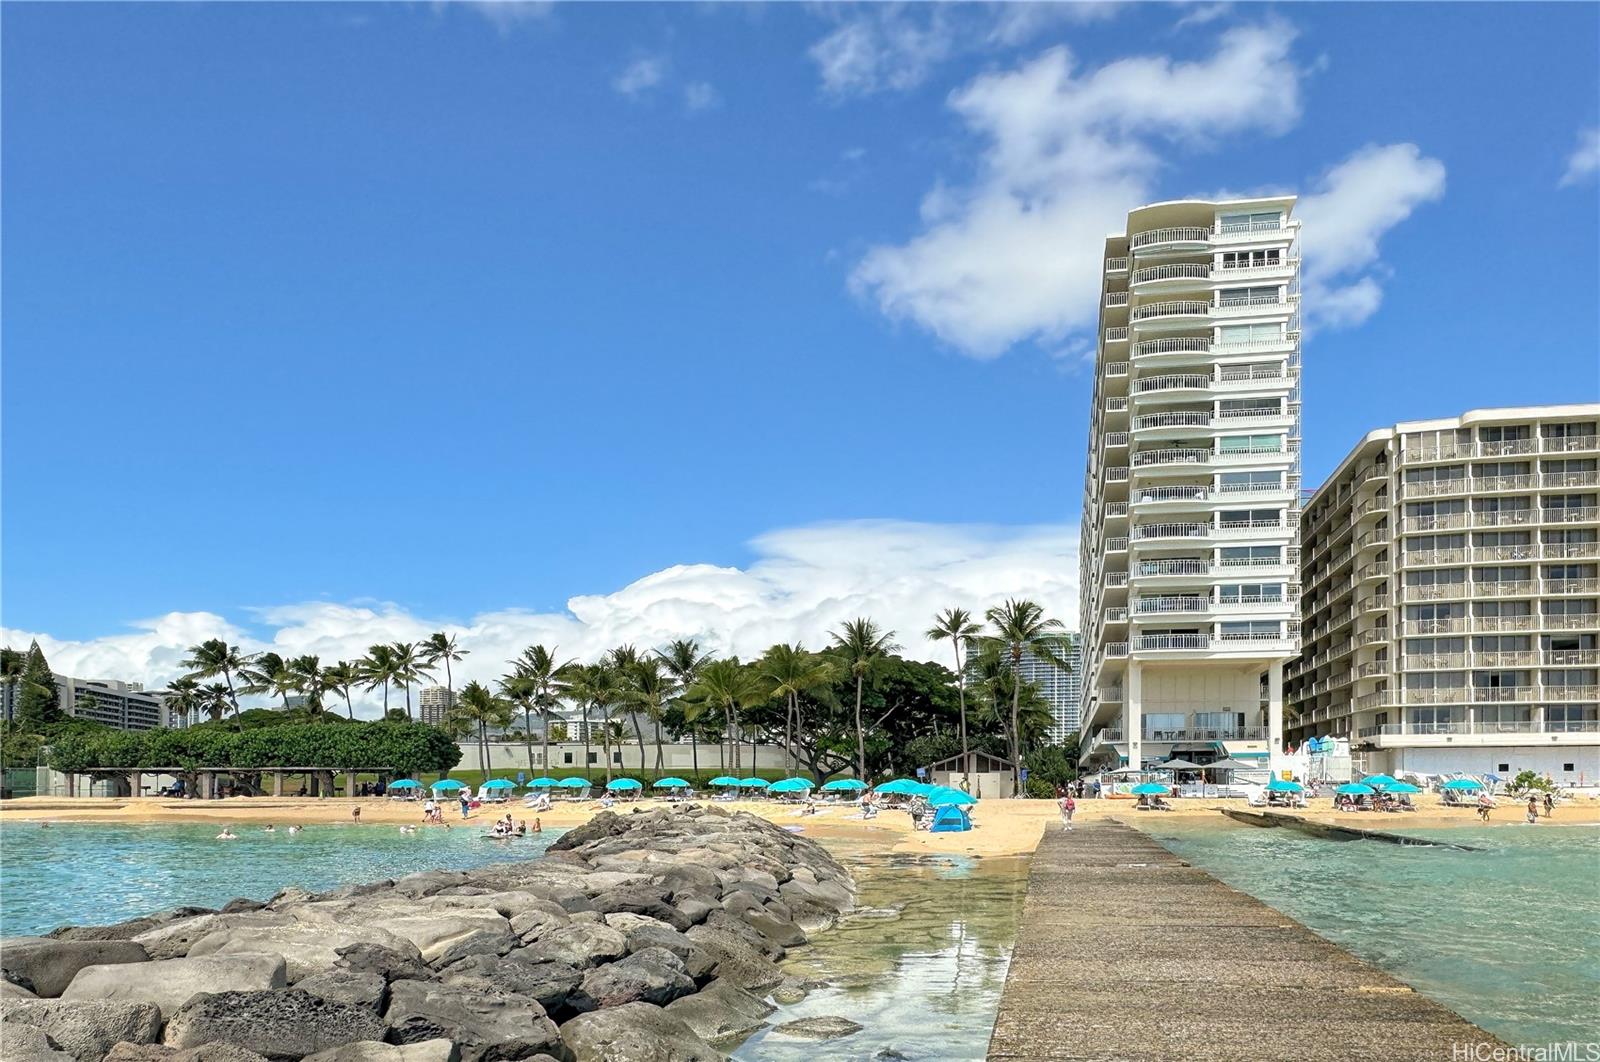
[[920, 965]]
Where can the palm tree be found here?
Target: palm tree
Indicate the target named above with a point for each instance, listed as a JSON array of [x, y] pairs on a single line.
[[650, 687], [182, 698], [341, 677], [215, 657], [956, 624], [683, 661], [523, 693], [594, 686], [539, 665], [268, 673], [790, 671], [214, 698], [407, 669], [729, 686], [996, 685], [306, 674], [438, 648], [480, 707], [864, 646], [1019, 627], [378, 669]]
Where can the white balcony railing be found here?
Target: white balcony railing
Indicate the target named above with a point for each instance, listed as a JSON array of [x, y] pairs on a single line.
[[1179, 234], [1177, 308], [1171, 456], [1183, 419], [1182, 271]]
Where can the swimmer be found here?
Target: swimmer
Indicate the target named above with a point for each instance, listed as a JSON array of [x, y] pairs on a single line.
[[296, 829], [408, 829], [270, 828], [227, 834]]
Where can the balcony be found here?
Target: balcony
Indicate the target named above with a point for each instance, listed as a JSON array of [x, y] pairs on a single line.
[[1231, 733], [1189, 381], [1116, 473], [1182, 271], [1119, 334], [1116, 265], [1531, 726], [1157, 495], [1251, 455], [1115, 438], [1152, 348], [1116, 368], [1251, 228], [1115, 299], [1581, 514], [1148, 532], [1508, 447], [1571, 693], [1252, 528], [1572, 657], [1261, 643], [1231, 272], [1505, 588], [1117, 545], [1173, 456], [1251, 305], [1170, 238], [1152, 605], [1182, 419], [1177, 566], [1178, 308], [1116, 405]]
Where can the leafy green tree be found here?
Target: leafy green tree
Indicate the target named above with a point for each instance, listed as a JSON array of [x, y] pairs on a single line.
[[213, 658], [649, 689], [440, 648], [1017, 628], [956, 625], [863, 645], [479, 706], [38, 704]]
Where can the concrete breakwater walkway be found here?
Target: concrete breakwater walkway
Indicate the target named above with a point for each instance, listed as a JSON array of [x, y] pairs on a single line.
[[1124, 951]]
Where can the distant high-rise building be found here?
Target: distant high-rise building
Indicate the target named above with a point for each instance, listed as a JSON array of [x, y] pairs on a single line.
[[124, 705], [434, 703], [1191, 495], [1063, 689]]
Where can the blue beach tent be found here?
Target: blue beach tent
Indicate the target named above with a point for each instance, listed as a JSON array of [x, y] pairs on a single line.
[[951, 818]]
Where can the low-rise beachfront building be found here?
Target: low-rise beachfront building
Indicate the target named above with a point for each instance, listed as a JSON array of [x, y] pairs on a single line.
[[1451, 598], [1190, 524]]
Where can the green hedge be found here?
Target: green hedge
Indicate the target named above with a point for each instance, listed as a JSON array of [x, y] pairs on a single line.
[[409, 748]]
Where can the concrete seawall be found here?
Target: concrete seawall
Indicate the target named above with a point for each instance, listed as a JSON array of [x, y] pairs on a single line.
[[1127, 952]]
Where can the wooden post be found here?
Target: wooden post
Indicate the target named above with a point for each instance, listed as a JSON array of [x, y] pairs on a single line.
[[277, 783], [133, 783], [349, 783]]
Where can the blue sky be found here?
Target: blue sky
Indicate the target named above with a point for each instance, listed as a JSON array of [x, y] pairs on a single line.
[[436, 313]]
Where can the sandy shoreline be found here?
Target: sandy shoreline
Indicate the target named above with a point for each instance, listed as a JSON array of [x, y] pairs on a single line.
[[1004, 827]]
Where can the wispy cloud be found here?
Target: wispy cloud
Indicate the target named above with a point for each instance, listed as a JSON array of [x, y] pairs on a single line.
[[1349, 210], [504, 15], [1204, 14], [640, 76], [896, 47], [701, 96], [1066, 151], [803, 583], [1584, 162]]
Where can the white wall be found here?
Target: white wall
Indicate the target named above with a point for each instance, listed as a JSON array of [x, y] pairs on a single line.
[[1213, 688], [568, 757], [1585, 760]]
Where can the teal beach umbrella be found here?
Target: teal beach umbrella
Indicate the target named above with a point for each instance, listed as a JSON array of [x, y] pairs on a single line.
[[1278, 785], [623, 783], [672, 783], [499, 783], [1378, 781], [1401, 787], [1355, 789], [1462, 783], [844, 783], [542, 783], [753, 783], [574, 783], [405, 783], [448, 784], [900, 786], [791, 785], [724, 780], [943, 796], [1151, 789]]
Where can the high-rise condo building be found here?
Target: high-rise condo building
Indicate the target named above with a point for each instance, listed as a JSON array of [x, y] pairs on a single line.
[[1451, 598], [1190, 520], [124, 705], [1061, 689], [434, 704]]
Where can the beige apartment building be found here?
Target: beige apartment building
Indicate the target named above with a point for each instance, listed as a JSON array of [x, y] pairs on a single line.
[[1449, 598]]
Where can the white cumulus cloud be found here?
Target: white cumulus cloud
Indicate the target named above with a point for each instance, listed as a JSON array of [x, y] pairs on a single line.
[[802, 583], [1345, 216], [1016, 255], [1584, 162]]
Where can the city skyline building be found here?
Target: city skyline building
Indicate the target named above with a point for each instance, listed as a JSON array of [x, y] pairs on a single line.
[[1452, 606], [123, 705], [1190, 526]]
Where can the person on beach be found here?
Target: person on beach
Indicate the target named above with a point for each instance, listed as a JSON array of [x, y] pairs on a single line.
[[1485, 805], [1068, 806], [466, 804], [1549, 804], [1533, 810], [538, 825], [355, 816]]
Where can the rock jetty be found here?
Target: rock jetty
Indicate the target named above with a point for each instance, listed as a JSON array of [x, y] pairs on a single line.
[[649, 937]]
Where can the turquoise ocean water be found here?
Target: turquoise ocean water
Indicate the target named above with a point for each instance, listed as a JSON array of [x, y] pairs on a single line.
[[1508, 937], [100, 874]]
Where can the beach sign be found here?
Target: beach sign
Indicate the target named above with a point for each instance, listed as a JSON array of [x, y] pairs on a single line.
[[922, 772]]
